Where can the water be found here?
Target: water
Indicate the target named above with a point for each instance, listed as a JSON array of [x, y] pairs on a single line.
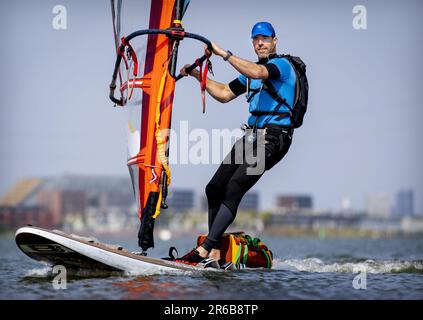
[[304, 268]]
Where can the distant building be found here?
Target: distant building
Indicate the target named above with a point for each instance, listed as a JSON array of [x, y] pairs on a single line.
[[345, 205], [15, 217], [378, 205], [22, 193], [322, 220], [62, 203], [48, 201], [294, 203], [404, 203], [101, 192], [250, 202], [180, 200], [18, 207]]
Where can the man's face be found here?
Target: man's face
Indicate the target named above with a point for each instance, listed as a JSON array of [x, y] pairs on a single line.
[[264, 45]]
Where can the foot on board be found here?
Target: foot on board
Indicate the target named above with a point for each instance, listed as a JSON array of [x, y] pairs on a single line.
[[193, 258]]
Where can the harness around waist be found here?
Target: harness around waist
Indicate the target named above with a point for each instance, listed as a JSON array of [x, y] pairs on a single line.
[[281, 114], [271, 128], [275, 129], [284, 114]]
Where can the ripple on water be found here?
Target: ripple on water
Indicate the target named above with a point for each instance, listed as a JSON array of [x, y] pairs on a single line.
[[369, 266]]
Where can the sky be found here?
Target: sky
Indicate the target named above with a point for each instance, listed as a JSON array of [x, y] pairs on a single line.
[[361, 133]]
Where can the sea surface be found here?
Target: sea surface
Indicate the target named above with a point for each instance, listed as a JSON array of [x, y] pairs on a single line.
[[304, 268]]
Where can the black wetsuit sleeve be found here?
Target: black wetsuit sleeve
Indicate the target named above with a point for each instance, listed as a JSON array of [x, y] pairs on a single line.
[[237, 87], [274, 73]]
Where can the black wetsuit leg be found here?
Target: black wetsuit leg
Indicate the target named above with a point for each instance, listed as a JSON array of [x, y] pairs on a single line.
[[237, 174]]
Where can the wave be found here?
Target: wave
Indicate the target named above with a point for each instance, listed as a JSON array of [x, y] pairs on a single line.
[[368, 266], [47, 272], [39, 273]]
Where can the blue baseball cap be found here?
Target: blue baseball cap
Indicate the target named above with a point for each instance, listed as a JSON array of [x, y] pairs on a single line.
[[264, 29]]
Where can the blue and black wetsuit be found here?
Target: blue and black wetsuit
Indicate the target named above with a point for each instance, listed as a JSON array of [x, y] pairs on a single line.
[[271, 132]]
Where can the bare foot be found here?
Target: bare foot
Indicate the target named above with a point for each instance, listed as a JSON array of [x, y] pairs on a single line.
[[215, 254], [203, 252]]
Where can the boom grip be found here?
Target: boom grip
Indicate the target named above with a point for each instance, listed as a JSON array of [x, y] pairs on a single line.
[[172, 33], [192, 67], [200, 60]]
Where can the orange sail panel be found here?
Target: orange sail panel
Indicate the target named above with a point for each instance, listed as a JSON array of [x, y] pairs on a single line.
[[149, 166]]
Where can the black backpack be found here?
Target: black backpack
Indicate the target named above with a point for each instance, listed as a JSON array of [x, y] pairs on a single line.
[[299, 107]]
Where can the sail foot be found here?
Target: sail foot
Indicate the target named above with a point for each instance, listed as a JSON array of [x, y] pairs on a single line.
[[146, 231]]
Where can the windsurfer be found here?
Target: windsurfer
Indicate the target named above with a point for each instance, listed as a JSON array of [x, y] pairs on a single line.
[[266, 129]]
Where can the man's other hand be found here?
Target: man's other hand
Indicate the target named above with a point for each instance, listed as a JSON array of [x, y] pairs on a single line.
[[183, 70]]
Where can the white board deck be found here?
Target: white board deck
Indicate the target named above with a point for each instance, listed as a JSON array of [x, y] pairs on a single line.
[[58, 248]]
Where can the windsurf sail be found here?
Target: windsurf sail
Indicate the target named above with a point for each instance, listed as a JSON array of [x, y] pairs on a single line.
[[150, 98]]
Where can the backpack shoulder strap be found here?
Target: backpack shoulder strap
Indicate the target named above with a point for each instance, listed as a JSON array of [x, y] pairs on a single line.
[[253, 91], [268, 86]]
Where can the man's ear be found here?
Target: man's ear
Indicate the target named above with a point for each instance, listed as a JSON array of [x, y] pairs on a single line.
[[275, 41]]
